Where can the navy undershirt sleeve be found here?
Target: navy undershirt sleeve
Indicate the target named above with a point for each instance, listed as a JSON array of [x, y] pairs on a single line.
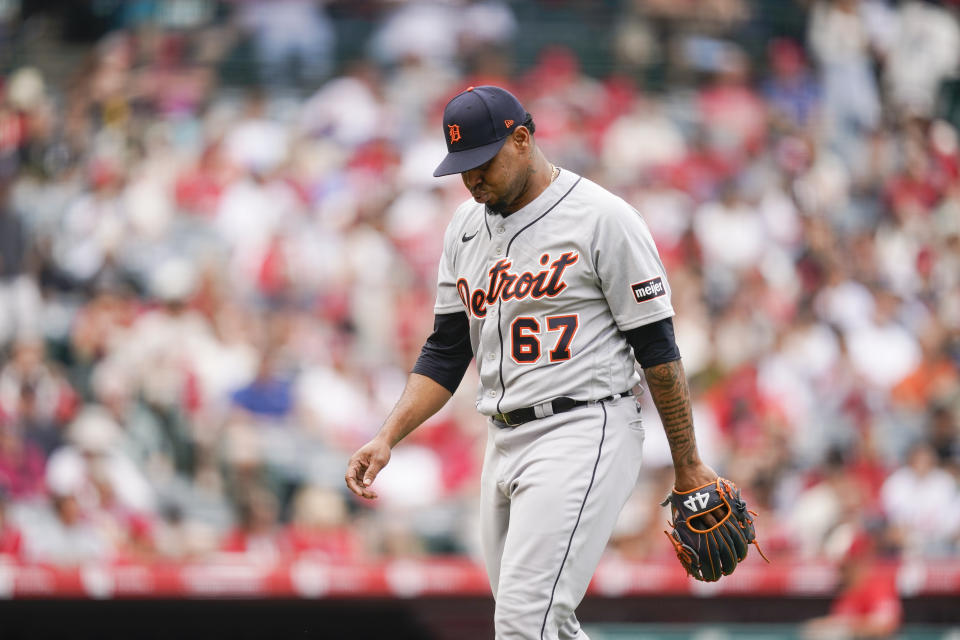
[[447, 352], [654, 343]]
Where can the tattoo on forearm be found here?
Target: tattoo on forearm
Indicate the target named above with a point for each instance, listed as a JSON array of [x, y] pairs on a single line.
[[668, 386]]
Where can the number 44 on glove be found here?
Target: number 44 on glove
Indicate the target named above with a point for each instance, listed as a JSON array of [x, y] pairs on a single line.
[[709, 551]]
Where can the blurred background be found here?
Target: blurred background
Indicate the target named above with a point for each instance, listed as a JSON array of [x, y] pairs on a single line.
[[218, 245]]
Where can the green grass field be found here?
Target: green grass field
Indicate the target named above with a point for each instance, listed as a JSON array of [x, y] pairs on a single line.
[[738, 632]]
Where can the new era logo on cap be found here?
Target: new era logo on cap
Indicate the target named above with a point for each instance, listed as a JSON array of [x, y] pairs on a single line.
[[648, 289]]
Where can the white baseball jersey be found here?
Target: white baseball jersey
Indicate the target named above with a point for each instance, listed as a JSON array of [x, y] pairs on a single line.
[[548, 290]]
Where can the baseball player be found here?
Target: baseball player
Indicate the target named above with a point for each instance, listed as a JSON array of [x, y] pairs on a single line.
[[554, 286]]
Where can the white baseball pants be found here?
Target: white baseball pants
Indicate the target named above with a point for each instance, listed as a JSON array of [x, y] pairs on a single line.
[[551, 492]]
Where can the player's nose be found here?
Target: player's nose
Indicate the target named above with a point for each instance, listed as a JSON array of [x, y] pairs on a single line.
[[472, 178]]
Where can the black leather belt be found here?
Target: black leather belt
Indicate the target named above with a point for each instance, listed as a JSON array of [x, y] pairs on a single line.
[[557, 405]]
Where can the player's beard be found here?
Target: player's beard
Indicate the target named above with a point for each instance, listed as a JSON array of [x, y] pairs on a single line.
[[498, 206], [518, 186]]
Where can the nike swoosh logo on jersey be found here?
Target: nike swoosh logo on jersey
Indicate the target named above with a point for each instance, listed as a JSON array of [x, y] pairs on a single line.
[[467, 238]]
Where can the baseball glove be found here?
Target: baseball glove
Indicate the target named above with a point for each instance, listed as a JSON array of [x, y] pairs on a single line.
[[709, 552]]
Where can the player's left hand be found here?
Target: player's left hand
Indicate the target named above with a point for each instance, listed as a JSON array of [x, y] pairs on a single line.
[[693, 476], [712, 528]]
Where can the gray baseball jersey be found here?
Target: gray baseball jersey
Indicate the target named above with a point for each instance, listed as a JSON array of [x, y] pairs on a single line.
[[548, 291]]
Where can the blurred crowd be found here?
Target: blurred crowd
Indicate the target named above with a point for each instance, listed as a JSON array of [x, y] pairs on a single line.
[[211, 294]]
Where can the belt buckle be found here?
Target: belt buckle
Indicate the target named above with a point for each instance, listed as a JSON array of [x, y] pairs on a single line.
[[505, 419]]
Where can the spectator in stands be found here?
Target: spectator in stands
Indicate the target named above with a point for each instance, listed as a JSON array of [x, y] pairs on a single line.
[[791, 91], [39, 428], [258, 534], [33, 387], [925, 51], [867, 605], [94, 224], [841, 42], [883, 352], [418, 30], [128, 532], [835, 500], [94, 455], [19, 296], [61, 534], [641, 140], [731, 233], [930, 385], [151, 446], [320, 526], [11, 539], [288, 35], [269, 394], [21, 463], [943, 431], [732, 113], [922, 505]]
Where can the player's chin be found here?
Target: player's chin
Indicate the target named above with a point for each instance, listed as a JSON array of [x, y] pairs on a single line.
[[496, 206]]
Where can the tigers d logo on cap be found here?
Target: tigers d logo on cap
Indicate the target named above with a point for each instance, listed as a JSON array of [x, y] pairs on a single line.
[[454, 133], [476, 123]]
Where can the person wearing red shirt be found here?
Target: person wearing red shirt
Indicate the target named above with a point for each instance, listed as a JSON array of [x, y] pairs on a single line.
[[867, 605], [258, 534], [11, 541]]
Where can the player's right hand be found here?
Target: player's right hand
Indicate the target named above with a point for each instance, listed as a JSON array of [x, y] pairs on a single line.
[[364, 466]]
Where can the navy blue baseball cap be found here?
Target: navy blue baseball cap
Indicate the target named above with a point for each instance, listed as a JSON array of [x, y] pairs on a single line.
[[476, 123]]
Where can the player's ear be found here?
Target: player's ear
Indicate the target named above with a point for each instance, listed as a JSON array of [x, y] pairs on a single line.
[[522, 138]]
